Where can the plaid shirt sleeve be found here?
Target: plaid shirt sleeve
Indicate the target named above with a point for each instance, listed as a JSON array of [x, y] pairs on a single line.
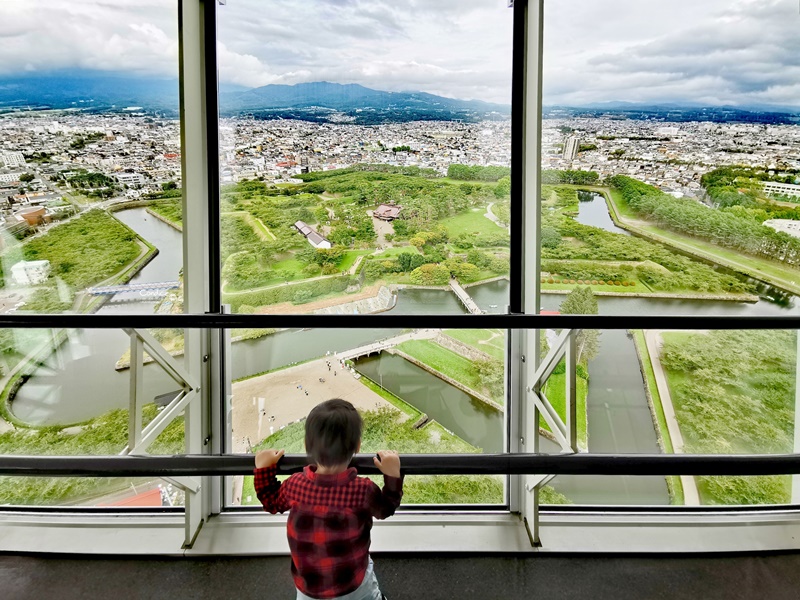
[[269, 490], [383, 502]]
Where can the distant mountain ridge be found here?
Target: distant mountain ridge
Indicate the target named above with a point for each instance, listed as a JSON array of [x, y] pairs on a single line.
[[322, 101], [317, 101]]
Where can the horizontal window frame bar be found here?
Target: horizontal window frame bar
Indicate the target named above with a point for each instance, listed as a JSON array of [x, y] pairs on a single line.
[[487, 321], [412, 464]]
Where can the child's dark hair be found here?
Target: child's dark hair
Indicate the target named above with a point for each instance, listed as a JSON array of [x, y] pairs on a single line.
[[333, 431]]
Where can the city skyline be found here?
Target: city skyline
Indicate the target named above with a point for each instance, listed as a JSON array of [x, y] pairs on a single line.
[[615, 50]]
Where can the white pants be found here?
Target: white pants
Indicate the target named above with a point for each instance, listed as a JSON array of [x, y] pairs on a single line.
[[368, 590]]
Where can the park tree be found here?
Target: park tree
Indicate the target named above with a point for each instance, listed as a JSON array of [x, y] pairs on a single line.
[[581, 301], [26, 177]]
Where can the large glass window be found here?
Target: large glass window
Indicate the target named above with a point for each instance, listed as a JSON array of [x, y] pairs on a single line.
[[90, 195], [664, 191], [365, 155], [365, 168]]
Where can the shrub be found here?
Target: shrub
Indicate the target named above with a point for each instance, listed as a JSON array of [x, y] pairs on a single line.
[[594, 281], [609, 282], [617, 282], [551, 280], [601, 282], [632, 283], [572, 281]]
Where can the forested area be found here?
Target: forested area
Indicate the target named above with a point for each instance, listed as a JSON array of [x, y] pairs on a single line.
[[86, 250], [477, 173], [581, 252], [734, 393], [741, 186], [727, 228]]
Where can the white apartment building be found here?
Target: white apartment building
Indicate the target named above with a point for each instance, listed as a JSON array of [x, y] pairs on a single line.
[[785, 189], [31, 272], [130, 178], [13, 159], [9, 177]]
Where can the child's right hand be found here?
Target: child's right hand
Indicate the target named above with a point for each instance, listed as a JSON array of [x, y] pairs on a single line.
[[389, 463], [267, 458]]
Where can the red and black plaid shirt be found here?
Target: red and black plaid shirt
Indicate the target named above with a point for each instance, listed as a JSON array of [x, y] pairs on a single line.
[[330, 518]]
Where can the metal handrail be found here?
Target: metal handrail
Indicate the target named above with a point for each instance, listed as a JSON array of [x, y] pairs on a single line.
[[389, 321], [412, 464]]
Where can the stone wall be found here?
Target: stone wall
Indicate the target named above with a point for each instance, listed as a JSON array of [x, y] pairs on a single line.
[[461, 348], [384, 300]]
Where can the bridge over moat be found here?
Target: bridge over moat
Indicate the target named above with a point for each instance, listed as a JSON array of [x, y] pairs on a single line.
[[464, 297], [152, 288]]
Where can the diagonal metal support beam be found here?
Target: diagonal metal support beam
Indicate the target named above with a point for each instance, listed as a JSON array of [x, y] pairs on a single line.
[[554, 423], [163, 358], [164, 418], [550, 362]]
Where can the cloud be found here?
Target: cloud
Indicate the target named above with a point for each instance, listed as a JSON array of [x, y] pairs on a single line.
[[720, 51], [739, 53]]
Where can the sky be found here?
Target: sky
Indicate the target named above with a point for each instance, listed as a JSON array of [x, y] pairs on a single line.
[[712, 52]]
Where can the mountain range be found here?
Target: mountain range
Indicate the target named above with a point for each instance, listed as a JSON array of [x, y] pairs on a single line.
[[91, 91], [318, 101]]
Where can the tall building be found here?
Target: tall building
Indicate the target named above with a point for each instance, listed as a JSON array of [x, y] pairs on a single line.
[[571, 147]]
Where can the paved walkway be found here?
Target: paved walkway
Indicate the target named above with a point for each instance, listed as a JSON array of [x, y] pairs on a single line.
[[420, 334], [654, 342], [262, 405]]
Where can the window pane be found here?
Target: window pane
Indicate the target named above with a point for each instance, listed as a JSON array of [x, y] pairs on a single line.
[[703, 392], [90, 169], [663, 195], [365, 157], [67, 392], [420, 391]]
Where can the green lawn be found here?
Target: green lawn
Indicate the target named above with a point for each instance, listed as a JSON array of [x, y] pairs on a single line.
[[393, 252], [289, 264], [673, 481], [490, 341], [384, 429], [769, 271], [555, 391], [350, 257], [443, 360], [470, 222]]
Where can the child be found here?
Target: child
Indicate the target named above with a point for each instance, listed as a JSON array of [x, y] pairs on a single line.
[[330, 507]]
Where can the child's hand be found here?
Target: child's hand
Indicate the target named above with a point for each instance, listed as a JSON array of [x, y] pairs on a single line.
[[389, 463], [267, 458]]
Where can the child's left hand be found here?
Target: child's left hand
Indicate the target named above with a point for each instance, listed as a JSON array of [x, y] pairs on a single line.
[[267, 458]]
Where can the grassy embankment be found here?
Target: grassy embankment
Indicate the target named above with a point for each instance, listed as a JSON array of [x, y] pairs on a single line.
[[674, 485], [460, 368], [611, 262], [92, 249], [384, 429], [103, 435], [771, 272], [733, 393]]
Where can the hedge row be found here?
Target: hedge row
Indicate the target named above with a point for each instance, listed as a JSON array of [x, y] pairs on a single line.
[[589, 282]]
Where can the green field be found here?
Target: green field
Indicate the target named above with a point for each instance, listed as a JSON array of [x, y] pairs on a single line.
[[470, 222], [443, 360], [383, 429], [673, 482], [490, 341], [555, 390]]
